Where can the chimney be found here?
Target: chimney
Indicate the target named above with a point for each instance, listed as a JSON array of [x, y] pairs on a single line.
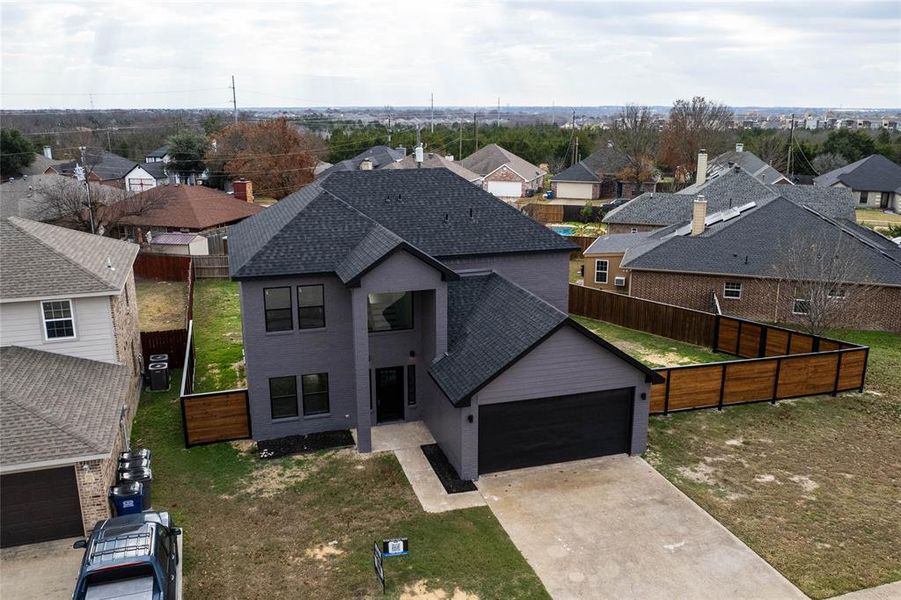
[[48, 152], [702, 167], [366, 164], [417, 155], [243, 190], [698, 214], [739, 147]]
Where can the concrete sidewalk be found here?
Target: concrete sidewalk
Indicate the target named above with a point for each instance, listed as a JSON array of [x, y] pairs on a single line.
[[615, 528], [889, 591], [45, 571]]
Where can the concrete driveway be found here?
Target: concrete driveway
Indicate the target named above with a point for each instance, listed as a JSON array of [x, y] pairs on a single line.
[[39, 571], [615, 528]]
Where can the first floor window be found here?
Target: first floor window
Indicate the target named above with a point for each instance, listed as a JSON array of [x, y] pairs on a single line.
[[864, 196], [58, 320], [732, 290], [837, 293], [310, 306], [277, 302], [315, 394], [390, 311], [283, 397], [600, 271], [411, 385], [801, 306]]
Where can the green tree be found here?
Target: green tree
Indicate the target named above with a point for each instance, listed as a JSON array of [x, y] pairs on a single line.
[[186, 151], [16, 152], [853, 145]]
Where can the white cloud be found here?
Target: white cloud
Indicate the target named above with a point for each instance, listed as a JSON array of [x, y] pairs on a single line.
[[527, 53]]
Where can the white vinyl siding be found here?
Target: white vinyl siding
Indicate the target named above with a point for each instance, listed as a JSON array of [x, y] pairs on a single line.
[[22, 324], [579, 191]]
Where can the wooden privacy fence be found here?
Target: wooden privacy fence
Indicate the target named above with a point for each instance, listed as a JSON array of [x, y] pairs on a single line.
[[211, 416], [676, 322], [545, 213], [214, 266], [162, 267], [171, 342], [582, 241], [776, 364]]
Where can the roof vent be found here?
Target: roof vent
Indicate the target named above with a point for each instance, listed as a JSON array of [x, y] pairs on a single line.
[[471, 213], [446, 217], [109, 264]]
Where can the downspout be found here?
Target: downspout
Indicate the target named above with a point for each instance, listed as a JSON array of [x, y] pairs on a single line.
[[776, 303]]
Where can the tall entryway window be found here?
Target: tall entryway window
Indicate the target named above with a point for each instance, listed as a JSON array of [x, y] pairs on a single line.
[[389, 394]]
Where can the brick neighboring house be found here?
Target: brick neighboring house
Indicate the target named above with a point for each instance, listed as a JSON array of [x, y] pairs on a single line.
[[741, 256], [503, 173], [727, 161], [71, 363], [597, 177], [101, 167], [403, 295], [874, 181], [730, 189]]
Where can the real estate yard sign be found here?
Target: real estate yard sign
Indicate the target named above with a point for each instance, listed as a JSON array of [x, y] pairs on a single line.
[[396, 547], [378, 565], [392, 547]]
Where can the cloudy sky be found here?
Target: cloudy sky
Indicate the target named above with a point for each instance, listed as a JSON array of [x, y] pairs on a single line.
[[167, 54]]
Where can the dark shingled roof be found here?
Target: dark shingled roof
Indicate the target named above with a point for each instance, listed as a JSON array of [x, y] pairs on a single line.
[[755, 243], [729, 190], [105, 165], [156, 169], [317, 229], [159, 152], [58, 407], [577, 172], [874, 173], [381, 156], [748, 161], [492, 157]]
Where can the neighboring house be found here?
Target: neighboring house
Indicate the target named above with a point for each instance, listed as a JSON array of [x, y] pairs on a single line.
[[875, 182], [184, 208], [145, 176], [725, 162], [437, 161], [404, 295], [69, 370], [181, 244], [377, 157], [100, 167], [161, 154], [598, 176], [41, 163], [503, 173], [28, 196], [744, 257], [731, 189]]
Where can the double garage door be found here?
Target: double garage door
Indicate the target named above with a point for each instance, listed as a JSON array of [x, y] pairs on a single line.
[[38, 506], [513, 435], [505, 189]]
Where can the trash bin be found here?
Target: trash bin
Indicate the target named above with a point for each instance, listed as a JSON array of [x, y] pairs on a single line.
[[134, 463], [128, 455], [126, 498], [142, 475]]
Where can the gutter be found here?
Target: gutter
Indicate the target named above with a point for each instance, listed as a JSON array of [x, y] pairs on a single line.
[[49, 464]]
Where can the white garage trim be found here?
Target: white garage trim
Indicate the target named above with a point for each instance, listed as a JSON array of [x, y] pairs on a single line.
[[580, 191], [505, 189]]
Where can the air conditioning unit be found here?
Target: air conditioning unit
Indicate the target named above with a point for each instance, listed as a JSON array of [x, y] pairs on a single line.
[[619, 281]]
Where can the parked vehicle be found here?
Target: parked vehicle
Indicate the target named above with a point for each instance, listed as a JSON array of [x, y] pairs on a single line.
[[131, 557]]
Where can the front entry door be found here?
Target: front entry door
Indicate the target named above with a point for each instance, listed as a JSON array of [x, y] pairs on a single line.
[[389, 394]]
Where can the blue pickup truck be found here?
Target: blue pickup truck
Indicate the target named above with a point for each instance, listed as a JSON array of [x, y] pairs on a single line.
[[132, 557]]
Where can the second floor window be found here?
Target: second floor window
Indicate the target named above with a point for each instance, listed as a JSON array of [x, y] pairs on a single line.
[[310, 306], [277, 303], [600, 271], [732, 290], [391, 311], [58, 320]]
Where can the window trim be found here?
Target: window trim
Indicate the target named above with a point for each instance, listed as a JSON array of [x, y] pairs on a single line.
[[290, 309], [795, 304], [597, 263], [328, 398], [412, 313], [296, 409], [299, 307], [71, 317], [726, 290], [864, 197]]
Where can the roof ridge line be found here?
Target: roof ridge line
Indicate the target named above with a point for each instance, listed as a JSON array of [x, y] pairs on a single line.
[[866, 243], [94, 276]]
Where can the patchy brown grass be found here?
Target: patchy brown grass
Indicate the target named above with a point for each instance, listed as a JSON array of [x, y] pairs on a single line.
[[162, 305]]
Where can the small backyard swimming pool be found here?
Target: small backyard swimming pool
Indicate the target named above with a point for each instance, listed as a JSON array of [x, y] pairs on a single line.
[[563, 229]]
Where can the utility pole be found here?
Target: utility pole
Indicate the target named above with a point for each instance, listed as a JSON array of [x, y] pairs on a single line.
[[498, 112], [574, 139], [389, 128], [791, 143], [234, 100], [109, 142], [432, 115], [475, 124], [460, 151], [576, 151]]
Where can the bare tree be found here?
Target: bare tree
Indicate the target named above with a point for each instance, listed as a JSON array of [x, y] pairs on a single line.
[[692, 125], [827, 278], [771, 149], [823, 163], [634, 133]]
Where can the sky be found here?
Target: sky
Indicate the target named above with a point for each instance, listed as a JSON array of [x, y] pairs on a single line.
[[332, 53]]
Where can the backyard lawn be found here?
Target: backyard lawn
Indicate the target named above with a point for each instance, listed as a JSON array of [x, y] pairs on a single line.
[[218, 344], [877, 217], [811, 485], [161, 304], [303, 527]]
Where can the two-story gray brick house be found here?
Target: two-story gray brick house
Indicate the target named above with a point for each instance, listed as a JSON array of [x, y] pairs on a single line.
[[377, 296]]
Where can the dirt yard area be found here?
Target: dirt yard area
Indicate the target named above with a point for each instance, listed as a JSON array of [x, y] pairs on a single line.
[[161, 304]]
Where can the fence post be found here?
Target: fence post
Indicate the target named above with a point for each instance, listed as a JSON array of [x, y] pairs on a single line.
[[776, 379], [716, 332], [669, 373], [838, 371], [722, 387], [866, 361]]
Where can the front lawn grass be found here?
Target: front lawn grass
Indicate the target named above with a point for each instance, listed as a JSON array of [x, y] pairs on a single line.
[[161, 304], [877, 217], [303, 527], [812, 485], [218, 342]]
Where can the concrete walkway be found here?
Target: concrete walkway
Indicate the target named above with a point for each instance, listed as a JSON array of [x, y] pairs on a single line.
[[615, 528], [405, 439], [45, 571]]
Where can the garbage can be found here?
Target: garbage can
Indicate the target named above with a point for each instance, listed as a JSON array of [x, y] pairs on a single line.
[[128, 455], [126, 498], [134, 463], [142, 475]]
